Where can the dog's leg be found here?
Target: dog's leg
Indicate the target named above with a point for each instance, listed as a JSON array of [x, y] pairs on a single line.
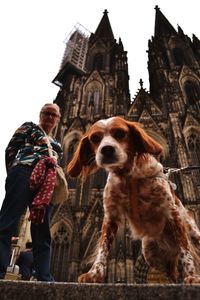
[[192, 228], [188, 259], [113, 214], [193, 232], [188, 267], [97, 272]]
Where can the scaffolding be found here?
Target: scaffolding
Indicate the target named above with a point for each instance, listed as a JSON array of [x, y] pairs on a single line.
[[76, 47]]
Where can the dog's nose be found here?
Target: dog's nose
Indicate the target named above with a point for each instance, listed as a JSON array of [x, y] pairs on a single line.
[[107, 151]]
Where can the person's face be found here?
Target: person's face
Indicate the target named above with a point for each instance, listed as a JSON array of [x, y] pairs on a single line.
[[49, 117]]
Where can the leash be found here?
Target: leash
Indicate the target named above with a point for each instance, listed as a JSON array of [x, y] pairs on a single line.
[[176, 170], [169, 171]]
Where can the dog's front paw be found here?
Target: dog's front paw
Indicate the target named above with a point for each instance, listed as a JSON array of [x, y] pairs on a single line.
[[96, 274], [192, 279], [90, 277]]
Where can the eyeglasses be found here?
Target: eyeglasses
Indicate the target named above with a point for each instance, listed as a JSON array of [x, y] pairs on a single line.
[[48, 114]]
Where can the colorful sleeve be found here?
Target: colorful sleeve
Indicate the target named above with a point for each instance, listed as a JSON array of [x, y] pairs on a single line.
[[16, 143]]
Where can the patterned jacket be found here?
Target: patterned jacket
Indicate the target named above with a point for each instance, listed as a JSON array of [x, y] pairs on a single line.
[[28, 145]]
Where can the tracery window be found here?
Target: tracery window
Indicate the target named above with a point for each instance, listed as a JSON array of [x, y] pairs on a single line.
[[93, 100], [194, 148], [192, 90], [179, 57], [165, 59], [60, 249], [98, 62]]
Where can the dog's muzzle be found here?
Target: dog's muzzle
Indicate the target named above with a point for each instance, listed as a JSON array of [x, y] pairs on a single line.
[[108, 154]]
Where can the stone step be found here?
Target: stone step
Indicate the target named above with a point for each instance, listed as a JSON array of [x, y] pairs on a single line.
[[33, 290]]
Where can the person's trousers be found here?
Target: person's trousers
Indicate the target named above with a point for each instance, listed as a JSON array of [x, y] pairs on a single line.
[[17, 198]]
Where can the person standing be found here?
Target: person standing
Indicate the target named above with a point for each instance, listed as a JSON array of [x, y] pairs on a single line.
[[29, 146]]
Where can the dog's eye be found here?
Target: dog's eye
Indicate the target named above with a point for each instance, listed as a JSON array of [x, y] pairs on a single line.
[[119, 134], [95, 139]]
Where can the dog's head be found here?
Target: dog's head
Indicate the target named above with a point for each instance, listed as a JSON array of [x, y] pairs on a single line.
[[111, 144]]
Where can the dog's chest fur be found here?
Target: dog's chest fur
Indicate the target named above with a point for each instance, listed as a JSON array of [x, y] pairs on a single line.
[[143, 195]]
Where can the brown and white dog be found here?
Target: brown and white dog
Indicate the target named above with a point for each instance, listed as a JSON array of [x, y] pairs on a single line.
[[138, 189]]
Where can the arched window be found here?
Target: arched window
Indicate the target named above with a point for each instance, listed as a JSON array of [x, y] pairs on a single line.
[[194, 148], [179, 58], [98, 62], [165, 59], [60, 248], [96, 101], [93, 100], [90, 99], [92, 103], [192, 90]]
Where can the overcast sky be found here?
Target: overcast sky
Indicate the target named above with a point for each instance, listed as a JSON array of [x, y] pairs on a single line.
[[32, 35]]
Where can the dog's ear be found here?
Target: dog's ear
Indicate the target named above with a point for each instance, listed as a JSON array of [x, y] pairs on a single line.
[[83, 160], [142, 142]]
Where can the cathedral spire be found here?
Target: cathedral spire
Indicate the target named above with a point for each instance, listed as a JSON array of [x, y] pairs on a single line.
[[104, 30], [162, 25]]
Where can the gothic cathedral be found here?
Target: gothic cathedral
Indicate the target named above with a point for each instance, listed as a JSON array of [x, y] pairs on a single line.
[[94, 84]]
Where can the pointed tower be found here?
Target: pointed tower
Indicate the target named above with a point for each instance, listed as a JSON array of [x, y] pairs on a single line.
[[94, 84], [171, 111], [93, 76], [171, 53], [174, 74]]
